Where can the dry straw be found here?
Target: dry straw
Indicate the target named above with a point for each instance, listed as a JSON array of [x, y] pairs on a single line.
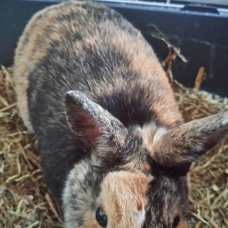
[[25, 200]]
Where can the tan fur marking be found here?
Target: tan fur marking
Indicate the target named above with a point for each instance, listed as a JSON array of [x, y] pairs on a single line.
[[150, 134], [93, 40], [135, 165], [126, 191], [89, 220]]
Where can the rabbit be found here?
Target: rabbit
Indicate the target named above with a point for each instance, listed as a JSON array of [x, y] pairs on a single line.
[[114, 147]]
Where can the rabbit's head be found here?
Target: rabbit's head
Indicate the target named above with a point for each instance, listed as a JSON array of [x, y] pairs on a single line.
[[132, 177]]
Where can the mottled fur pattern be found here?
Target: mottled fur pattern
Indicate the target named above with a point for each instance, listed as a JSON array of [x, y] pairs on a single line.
[[109, 131]]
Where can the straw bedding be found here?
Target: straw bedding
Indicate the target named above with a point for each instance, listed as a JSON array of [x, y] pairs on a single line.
[[25, 200]]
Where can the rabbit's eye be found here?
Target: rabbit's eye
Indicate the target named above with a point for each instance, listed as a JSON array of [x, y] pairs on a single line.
[[101, 217], [176, 221]]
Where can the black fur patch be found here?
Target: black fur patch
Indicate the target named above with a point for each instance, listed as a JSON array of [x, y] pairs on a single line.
[[165, 193], [127, 106]]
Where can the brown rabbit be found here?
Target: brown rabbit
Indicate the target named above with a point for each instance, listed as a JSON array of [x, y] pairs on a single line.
[[113, 145]]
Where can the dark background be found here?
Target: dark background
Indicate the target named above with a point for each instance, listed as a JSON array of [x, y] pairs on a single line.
[[200, 32]]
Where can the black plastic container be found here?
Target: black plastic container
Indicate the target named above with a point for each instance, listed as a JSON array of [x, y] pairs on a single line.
[[200, 32]]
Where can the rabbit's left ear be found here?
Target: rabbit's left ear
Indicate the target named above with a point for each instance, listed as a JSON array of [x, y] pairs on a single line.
[[182, 145], [94, 125]]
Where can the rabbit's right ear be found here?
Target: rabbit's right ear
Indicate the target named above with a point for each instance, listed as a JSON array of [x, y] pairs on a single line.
[[182, 145]]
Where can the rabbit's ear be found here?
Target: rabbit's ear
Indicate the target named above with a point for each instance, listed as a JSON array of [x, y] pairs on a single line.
[[92, 124], [181, 146]]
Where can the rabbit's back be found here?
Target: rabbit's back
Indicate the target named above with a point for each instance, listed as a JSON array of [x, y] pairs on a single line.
[[87, 47]]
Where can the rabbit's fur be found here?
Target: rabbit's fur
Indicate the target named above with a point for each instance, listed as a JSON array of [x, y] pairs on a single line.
[[109, 131]]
